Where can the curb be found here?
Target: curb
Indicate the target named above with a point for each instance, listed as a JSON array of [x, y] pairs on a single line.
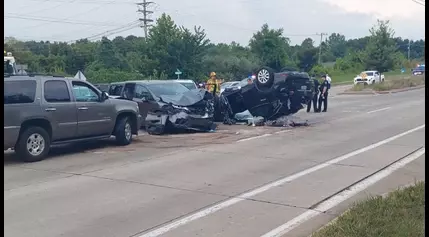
[[380, 92]]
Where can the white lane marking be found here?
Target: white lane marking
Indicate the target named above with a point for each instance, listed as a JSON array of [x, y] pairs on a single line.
[[342, 196], [378, 110], [283, 131], [231, 201], [251, 138]]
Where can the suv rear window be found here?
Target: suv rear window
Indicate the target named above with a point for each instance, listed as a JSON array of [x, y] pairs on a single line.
[[19, 92], [56, 91]]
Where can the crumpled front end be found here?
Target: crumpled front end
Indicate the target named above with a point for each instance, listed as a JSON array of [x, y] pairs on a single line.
[[197, 117]]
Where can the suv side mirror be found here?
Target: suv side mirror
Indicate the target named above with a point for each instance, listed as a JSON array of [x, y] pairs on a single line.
[[104, 96]]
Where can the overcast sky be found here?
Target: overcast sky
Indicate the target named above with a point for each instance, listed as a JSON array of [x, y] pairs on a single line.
[[223, 20]]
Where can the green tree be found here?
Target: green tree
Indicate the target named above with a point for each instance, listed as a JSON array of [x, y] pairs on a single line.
[[380, 50], [270, 46], [336, 44], [307, 55]]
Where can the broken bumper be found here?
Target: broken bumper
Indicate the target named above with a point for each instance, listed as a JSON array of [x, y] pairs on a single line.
[[161, 122]]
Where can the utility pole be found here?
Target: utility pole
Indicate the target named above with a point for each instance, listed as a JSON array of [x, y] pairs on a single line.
[[320, 46], [409, 49], [143, 6]]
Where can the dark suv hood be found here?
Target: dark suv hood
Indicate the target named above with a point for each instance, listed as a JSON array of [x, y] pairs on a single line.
[[188, 98]]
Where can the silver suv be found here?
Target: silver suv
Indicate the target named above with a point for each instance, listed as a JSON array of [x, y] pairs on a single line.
[[40, 111]]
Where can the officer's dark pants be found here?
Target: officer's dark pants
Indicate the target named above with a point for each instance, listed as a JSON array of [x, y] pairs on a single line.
[[323, 99], [314, 100]]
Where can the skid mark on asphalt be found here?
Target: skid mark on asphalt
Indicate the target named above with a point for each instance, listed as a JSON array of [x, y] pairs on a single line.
[[345, 194], [157, 231]]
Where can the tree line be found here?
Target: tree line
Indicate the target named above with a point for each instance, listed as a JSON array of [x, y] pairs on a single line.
[[170, 47]]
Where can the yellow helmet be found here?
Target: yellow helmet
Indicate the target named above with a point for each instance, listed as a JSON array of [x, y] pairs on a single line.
[[212, 74]]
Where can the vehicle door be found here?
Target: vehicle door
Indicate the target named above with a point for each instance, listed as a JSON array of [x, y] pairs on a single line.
[[60, 109], [377, 77], [96, 117], [145, 101]]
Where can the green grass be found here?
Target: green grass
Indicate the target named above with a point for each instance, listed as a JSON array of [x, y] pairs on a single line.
[[400, 214], [348, 77], [393, 82]]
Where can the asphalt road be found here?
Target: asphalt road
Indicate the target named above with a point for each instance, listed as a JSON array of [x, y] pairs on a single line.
[[239, 181]]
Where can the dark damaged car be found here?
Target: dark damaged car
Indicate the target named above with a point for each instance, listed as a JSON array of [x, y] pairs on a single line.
[[271, 95], [168, 105]]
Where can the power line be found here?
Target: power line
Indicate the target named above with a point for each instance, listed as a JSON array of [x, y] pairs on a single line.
[[85, 2], [91, 28], [119, 29], [421, 2], [143, 8], [63, 20], [53, 20]]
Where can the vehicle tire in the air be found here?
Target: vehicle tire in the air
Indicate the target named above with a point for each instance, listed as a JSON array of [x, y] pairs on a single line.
[[33, 144], [123, 131], [264, 78]]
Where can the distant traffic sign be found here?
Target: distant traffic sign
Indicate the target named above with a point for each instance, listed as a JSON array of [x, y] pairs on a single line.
[[178, 73]]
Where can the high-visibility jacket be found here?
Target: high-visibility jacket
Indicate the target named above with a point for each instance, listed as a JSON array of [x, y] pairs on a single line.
[[211, 83]]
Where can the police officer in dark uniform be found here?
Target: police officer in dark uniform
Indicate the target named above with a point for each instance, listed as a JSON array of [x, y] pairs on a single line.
[[315, 96], [324, 88]]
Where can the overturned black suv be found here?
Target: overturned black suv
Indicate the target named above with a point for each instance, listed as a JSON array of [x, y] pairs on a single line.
[[271, 95]]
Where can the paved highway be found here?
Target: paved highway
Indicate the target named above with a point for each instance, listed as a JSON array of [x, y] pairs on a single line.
[[267, 182]]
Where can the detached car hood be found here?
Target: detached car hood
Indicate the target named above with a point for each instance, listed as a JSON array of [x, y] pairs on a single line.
[[188, 98]]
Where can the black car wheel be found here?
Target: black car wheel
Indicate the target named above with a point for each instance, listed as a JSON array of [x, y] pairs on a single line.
[[33, 144], [264, 77], [123, 133]]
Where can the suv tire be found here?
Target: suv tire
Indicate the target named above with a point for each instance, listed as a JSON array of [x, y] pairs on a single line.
[[33, 144], [123, 133]]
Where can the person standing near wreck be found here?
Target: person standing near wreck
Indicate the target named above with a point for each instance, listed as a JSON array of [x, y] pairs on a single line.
[[315, 96], [324, 88], [213, 84]]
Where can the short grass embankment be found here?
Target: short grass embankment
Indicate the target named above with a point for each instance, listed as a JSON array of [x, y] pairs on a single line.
[[399, 214], [392, 83], [347, 78]]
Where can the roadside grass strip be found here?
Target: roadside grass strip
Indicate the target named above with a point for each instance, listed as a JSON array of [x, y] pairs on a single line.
[[400, 214], [392, 83]]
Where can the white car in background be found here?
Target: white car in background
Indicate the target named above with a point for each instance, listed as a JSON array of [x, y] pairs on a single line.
[[368, 77], [190, 84]]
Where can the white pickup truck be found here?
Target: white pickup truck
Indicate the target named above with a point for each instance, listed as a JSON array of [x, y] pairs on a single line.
[[368, 77]]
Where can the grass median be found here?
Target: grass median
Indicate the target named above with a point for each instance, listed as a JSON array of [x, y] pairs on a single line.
[[347, 78], [399, 214], [392, 83]]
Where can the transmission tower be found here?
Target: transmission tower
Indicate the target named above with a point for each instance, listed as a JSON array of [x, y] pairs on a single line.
[[143, 9]]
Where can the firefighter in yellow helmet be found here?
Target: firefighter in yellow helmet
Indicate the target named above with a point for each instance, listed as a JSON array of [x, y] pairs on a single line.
[[213, 83]]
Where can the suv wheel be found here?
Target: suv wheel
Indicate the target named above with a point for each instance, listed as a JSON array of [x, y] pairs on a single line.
[[265, 77], [33, 144], [123, 133]]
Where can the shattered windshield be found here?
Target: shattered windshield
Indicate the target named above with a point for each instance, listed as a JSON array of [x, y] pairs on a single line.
[[167, 89], [189, 85]]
